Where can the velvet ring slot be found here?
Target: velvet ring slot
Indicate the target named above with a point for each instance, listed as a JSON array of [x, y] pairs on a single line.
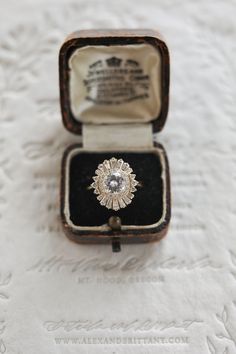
[[148, 211]]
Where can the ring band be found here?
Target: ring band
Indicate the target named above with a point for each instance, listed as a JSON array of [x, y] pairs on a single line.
[[114, 184]]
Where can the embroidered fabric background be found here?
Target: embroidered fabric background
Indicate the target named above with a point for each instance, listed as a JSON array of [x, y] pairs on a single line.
[[177, 296]]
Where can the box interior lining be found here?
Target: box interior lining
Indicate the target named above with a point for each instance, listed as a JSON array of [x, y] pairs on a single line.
[[115, 83]]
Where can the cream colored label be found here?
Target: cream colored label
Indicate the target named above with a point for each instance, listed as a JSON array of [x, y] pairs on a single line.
[[114, 81], [115, 84]]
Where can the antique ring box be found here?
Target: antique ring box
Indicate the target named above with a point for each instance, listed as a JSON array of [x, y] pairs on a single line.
[[114, 89]]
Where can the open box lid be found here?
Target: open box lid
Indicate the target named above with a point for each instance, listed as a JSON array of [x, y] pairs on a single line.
[[114, 77]]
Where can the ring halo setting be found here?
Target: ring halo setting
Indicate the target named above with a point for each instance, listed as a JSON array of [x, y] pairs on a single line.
[[114, 184]]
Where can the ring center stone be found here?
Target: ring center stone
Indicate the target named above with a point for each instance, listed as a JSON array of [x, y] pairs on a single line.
[[115, 182]]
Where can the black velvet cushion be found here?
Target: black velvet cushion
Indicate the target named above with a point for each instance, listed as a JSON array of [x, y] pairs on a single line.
[[147, 205]]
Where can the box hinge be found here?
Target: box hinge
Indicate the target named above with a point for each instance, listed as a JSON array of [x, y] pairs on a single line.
[[117, 136]]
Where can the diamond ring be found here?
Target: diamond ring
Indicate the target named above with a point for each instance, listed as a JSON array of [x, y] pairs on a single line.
[[114, 184]]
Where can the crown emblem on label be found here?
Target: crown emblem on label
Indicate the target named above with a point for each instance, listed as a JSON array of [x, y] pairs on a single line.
[[114, 61]]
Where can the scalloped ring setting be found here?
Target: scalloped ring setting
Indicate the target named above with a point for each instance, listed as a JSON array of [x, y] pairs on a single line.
[[114, 184]]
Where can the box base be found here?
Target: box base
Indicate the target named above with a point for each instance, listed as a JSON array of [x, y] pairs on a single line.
[[145, 219]]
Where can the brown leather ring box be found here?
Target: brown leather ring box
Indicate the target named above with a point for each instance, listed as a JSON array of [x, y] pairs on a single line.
[[114, 89]]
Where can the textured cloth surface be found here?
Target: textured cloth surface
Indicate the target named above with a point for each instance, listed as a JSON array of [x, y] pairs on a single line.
[[177, 296]]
